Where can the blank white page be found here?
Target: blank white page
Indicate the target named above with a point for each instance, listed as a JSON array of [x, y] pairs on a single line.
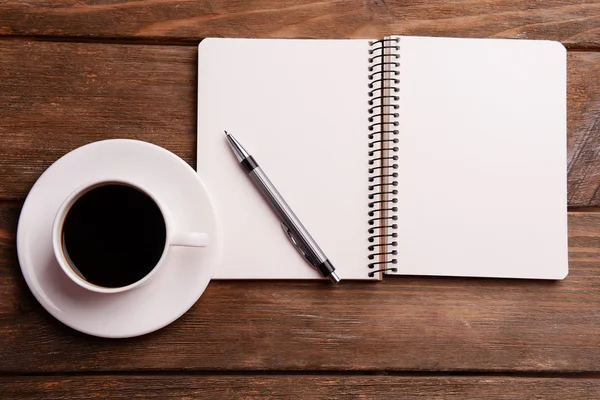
[[482, 158], [300, 108]]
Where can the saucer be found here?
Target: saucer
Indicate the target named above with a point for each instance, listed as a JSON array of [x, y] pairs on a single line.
[[176, 286]]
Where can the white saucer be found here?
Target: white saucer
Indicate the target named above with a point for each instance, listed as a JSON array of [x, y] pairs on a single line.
[[168, 294]]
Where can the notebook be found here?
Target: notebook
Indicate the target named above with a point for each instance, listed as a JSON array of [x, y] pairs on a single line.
[[401, 156]]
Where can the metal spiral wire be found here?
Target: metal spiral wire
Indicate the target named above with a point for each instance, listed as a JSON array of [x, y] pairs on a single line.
[[384, 88]]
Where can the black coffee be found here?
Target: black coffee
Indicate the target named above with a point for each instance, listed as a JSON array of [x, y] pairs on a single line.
[[114, 235]]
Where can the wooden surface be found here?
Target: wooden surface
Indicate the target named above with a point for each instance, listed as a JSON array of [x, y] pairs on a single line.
[[400, 324], [300, 387], [575, 24], [58, 96], [73, 72]]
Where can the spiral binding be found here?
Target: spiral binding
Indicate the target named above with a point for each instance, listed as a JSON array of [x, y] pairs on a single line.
[[384, 88]]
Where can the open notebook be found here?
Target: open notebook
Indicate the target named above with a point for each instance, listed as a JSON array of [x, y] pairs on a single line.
[[408, 155]]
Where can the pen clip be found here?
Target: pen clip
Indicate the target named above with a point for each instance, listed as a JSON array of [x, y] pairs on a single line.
[[303, 253]]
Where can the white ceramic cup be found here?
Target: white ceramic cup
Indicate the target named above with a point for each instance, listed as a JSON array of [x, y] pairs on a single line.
[[174, 237]]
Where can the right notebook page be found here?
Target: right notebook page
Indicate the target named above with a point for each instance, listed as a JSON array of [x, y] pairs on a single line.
[[482, 158]]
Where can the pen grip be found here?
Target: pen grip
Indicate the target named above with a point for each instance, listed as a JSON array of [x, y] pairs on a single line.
[[287, 216]]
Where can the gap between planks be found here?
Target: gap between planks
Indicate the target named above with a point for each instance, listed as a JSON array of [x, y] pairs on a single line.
[[317, 373], [161, 41]]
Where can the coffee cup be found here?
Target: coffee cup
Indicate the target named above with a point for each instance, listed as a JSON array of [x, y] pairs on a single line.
[[110, 236]]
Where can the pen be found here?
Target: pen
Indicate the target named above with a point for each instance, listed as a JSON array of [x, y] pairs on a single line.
[[293, 228]]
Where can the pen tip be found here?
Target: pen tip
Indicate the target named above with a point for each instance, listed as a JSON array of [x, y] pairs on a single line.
[[226, 133], [334, 278]]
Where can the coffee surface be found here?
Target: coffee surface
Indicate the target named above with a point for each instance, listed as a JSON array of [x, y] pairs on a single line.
[[114, 235]]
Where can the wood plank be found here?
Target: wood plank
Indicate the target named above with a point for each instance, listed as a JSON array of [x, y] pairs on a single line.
[[583, 122], [55, 97], [303, 387], [575, 24], [400, 324]]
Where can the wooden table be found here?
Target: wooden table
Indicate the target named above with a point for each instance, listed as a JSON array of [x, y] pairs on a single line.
[[73, 72]]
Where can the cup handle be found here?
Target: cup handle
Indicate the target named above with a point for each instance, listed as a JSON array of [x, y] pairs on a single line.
[[189, 239]]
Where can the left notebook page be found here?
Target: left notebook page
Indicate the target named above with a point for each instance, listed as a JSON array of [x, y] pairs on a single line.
[[300, 108]]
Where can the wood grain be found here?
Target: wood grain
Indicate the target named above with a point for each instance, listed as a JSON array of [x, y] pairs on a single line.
[[584, 130], [400, 324], [573, 23], [302, 387], [55, 97]]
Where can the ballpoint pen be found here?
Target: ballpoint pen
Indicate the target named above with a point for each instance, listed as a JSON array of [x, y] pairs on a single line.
[[292, 226]]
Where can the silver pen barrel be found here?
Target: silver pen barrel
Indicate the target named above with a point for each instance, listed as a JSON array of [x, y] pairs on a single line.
[[297, 233], [303, 239]]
